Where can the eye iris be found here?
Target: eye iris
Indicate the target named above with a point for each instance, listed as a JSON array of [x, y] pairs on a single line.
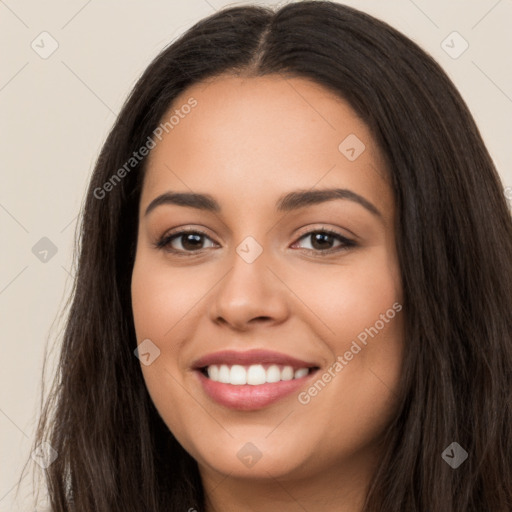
[[322, 239], [191, 236]]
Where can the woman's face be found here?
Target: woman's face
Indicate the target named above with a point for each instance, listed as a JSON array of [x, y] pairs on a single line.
[[262, 293]]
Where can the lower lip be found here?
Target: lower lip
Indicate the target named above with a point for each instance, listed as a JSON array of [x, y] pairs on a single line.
[[247, 397]]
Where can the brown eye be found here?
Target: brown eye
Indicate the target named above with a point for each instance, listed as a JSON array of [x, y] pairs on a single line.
[[183, 241], [321, 241]]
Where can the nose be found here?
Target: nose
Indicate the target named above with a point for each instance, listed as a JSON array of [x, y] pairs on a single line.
[[250, 294]]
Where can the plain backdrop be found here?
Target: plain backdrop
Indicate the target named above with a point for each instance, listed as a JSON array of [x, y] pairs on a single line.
[[57, 108]]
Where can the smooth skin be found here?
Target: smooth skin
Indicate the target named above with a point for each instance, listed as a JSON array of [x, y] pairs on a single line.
[[246, 143]]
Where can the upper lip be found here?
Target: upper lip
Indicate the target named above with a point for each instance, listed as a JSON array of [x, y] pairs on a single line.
[[249, 357]]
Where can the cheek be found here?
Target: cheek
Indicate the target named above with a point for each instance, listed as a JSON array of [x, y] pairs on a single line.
[[160, 303], [361, 312], [356, 394], [161, 297], [350, 298]]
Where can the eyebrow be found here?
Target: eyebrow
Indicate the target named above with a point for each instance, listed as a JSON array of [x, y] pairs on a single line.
[[288, 202]]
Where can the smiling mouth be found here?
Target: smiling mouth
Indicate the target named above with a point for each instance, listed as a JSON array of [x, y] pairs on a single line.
[[253, 387], [252, 379], [255, 374]]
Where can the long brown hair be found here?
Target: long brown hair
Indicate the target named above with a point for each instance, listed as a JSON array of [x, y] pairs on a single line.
[[454, 242]]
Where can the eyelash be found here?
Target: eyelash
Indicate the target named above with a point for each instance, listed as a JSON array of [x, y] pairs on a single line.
[[164, 242]]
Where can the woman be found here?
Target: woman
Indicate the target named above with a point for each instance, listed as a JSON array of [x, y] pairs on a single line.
[[367, 371]]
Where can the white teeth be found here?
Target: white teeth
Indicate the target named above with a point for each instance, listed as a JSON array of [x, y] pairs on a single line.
[[273, 373], [300, 373], [254, 374], [238, 375], [213, 372], [287, 373], [224, 374]]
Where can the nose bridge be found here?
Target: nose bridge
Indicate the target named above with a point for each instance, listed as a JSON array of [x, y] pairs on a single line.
[[249, 290]]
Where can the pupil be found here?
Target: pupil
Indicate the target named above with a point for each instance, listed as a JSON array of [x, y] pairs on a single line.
[[193, 236], [322, 239]]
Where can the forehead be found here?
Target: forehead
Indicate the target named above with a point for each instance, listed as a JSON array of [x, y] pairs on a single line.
[[250, 139]]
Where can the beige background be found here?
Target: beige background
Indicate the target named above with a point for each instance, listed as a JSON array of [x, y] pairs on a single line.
[[56, 112]]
